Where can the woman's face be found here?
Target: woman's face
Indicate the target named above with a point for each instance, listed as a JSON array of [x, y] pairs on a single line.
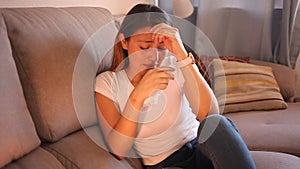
[[143, 51]]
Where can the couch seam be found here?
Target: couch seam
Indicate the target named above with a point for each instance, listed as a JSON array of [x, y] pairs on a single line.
[[51, 150]]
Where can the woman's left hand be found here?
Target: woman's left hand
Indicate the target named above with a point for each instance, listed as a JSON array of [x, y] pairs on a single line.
[[164, 33]]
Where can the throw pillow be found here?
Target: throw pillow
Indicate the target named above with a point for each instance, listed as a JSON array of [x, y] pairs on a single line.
[[245, 87]]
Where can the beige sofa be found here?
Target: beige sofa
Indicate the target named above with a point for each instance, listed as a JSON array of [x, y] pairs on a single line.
[[48, 60]]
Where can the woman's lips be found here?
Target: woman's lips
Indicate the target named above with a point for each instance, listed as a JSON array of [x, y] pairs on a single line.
[[150, 66]]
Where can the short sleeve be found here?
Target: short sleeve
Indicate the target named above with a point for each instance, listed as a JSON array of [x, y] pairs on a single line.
[[103, 84]]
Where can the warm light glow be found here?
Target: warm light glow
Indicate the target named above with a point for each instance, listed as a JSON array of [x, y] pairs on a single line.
[[182, 8]]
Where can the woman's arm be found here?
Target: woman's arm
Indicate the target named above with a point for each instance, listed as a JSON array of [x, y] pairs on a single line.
[[121, 128], [198, 92]]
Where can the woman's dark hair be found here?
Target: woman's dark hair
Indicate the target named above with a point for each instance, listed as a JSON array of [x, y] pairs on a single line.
[[140, 16]]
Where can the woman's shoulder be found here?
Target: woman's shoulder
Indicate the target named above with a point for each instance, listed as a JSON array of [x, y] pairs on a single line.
[[103, 81], [108, 79], [105, 76], [108, 76]]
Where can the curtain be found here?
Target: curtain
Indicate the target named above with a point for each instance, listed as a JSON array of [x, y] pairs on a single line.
[[283, 47], [295, 49], [261, 29]]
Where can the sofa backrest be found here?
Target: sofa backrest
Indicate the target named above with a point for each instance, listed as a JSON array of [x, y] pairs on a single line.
[[48, 49], [18, 135]]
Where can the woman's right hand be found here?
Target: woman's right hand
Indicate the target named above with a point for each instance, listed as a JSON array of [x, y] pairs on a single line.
[[151, 80]]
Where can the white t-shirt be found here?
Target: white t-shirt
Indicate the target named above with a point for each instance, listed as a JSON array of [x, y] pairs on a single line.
[[166, 121]]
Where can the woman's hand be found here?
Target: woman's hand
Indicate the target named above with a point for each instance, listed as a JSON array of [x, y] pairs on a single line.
[[151, 80], [164, 33]]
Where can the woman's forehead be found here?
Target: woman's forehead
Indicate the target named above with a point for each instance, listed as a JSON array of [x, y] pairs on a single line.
[[143, 34], [143, 37], [146, 31]]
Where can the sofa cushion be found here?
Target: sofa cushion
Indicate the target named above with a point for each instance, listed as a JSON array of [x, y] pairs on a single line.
[[85, 149], [243, 87], [273, 160], [18, 135], [277, 130], [286, 78], [47, 43], [38, 159]]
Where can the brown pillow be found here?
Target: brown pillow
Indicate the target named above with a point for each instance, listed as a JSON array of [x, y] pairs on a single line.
[[244, 87]]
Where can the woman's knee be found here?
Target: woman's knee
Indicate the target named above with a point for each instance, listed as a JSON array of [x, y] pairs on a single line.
[[214, 124], [215, 120], [215, 117], [220, 120]]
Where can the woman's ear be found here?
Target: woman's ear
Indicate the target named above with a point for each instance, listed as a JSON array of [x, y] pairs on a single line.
[[123, 41]]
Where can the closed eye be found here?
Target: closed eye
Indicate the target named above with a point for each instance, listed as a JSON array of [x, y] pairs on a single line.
[[144, 48]]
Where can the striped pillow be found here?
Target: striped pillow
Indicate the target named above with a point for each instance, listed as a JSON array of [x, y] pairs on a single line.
[[245, 87]]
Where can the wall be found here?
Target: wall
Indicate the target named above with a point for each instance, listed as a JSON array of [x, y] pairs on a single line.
[[117, 7]]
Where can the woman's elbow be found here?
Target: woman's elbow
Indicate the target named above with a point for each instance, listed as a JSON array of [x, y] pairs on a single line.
[[116, 153], [205, 111], [119, 157]]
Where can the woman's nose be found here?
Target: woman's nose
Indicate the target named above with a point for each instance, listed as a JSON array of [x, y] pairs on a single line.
[[153, 54]]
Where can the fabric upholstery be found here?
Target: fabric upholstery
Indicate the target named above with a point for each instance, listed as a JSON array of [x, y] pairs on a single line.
[[286, 78], [38, 159], [47, 43], [243, 87], [18, 135], [277, 130], [72, 155], [85, 150], [273, 160]]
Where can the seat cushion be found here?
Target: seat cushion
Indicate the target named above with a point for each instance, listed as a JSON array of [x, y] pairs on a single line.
[[85, 149], [37, 159], [274, 160], [48, 44], [71, 152], [277, 130], [17, 131]]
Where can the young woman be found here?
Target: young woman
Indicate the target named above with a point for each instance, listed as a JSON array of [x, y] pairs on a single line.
[[155, 102]]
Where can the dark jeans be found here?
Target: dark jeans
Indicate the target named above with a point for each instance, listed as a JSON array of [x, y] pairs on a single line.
[[218, 146]]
